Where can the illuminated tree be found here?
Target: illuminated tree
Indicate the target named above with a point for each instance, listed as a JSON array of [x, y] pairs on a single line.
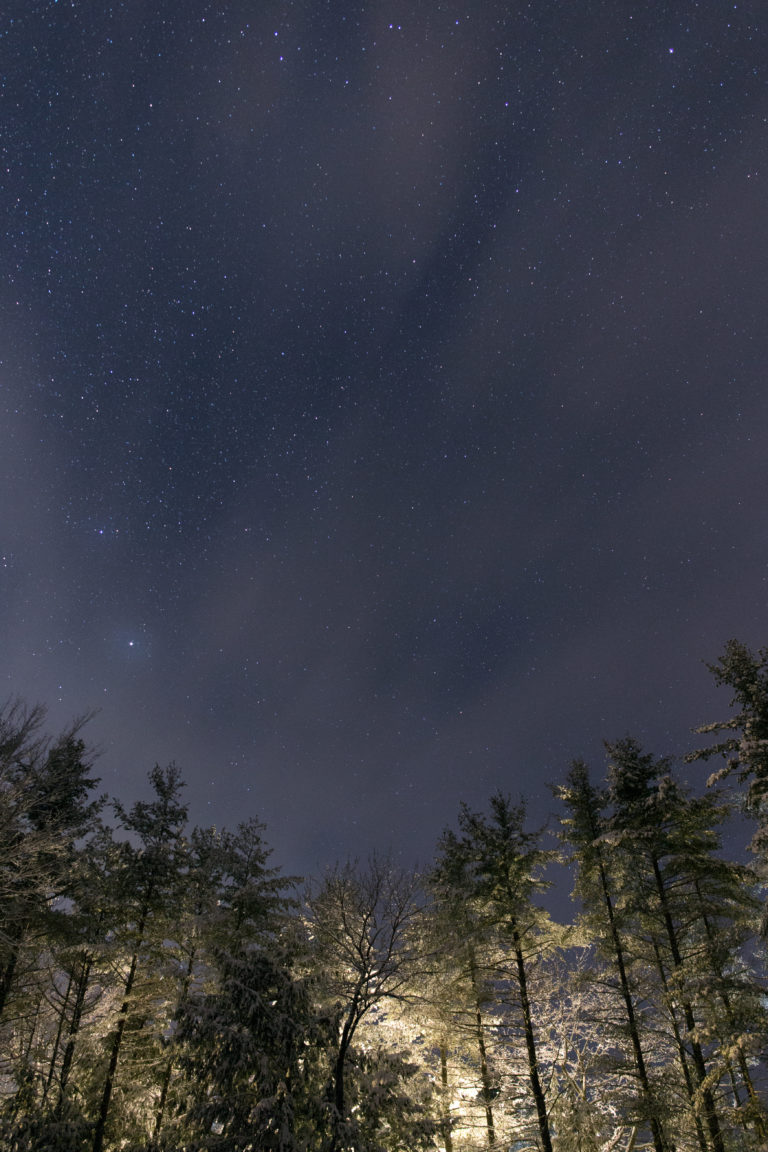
[[189, 964], [82, 974], [149, 879], [680, 890], [45, 807], [247, 1037], [458, 1002], [494, 867], [606, 928], [363, 925], [745, 743]]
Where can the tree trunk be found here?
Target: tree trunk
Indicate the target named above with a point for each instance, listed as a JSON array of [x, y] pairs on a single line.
[[757, 1108], [446, 1122], [339, 1101], [117, 1039], [166, 1082], [74, 1026], [710, 1115], [160, 1115], [680, 1048], [530, 1043], [6, 977], [660, 1143], [57, 1041], [485, 1079]]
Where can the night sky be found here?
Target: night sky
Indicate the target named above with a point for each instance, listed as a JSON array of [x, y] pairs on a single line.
[[383, 395]]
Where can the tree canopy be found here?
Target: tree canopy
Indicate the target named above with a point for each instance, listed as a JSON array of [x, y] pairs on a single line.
[[166, 987]]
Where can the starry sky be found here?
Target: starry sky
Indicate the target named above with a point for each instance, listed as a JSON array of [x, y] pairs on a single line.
[[383, 406]]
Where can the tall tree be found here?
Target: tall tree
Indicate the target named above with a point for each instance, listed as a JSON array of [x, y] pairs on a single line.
[[599, 891], [462, 996], [150, 877], [94, 914], [190, 962], [362, 923], [496, 866], [75, 978], [247, 1036], [453, 1008], [47, 813], [652, 822], [744, 742], [45, 807]]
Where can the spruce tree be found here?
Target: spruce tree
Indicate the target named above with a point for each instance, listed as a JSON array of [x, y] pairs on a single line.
[[744, 742], [496, 866], [247, 1038], [45, 808], [150, 879], [653, 824], [599, 890]]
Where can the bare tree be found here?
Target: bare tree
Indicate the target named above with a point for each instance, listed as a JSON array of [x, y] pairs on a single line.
[[363, 926]]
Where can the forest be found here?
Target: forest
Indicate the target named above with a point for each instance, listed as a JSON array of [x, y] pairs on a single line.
[[164, 987]]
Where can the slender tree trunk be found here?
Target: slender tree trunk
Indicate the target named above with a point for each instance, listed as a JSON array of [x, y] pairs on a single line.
[[160, 1114], [660, 1142], [74, 1026], [485, 1078], [736, 1093], [757, 1107], [446, 1121], [757, 1111], [15, 938], [585, 804], [710, 1115], [33, 1028], [680, 1048], [165, 1084], [57, 1041], [530, 1043], [117, 1040]]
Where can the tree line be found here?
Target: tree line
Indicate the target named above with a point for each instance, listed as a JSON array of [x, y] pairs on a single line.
[[165, 987]]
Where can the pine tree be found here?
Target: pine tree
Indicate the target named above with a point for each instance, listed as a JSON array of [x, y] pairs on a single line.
[[745, 743], [653, 822], [599, 889], [77, 985], [496, 867], [150, 881], [247, 1037], [191, 964], [460, 1002], [45, 807]]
